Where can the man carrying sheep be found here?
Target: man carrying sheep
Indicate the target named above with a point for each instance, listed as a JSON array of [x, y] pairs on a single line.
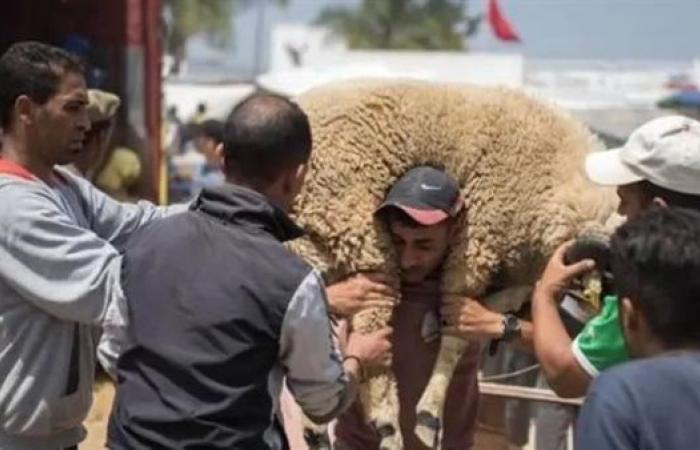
[[421, 212]]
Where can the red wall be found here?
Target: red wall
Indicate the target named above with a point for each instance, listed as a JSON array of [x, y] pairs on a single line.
[[111, 26]]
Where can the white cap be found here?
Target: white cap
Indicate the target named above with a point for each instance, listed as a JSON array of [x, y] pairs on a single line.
[[664, 151]]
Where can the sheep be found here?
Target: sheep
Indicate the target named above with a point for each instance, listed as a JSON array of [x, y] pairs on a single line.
[[519, 163]]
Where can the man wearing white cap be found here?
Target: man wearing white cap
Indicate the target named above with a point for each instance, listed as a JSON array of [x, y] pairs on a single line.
[[658, 166]]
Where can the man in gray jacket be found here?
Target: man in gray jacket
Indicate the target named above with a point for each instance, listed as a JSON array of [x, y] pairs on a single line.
[[60, 240]]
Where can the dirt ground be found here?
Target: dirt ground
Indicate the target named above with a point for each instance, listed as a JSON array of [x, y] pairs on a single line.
[[96, 424]]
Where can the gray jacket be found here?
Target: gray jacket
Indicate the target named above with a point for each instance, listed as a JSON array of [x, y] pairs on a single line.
[[59, 270]]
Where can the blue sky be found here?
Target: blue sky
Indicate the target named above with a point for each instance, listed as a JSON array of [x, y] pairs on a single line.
[[561, 29]]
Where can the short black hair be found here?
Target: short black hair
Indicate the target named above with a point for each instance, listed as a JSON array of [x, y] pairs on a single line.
[[33, 69], [212, 129], [672, 198], [264, 135], [655, 261]]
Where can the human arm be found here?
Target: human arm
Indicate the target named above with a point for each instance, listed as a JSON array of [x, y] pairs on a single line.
[[320, 381], [115, 221], [471, 319], [360, 291], [59, 267], [552, 342], [114, 338]]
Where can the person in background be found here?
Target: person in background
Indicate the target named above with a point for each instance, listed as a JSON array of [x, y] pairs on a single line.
[[172, 131], [200, 114], [120, 174], [102, 109], [187, 165], [113, 169], [207, 141]]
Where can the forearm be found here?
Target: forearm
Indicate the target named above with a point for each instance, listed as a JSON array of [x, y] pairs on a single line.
[[353, 372], [316, 377], [525, 340], [334, 308], [114, 338], [73, 285], [338, 403], [553, 348]]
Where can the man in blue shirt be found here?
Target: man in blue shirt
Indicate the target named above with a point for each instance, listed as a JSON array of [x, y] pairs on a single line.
[[653, 402], [208, 141]]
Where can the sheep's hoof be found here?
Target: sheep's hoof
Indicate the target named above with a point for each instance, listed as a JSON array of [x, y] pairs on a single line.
[[317, 440], [428, 430], [391, 440]]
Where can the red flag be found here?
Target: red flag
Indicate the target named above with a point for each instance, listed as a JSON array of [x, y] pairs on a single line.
[[500, 25]]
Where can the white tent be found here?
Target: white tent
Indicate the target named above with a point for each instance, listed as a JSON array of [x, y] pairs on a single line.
[[218, 98], [446, 67]]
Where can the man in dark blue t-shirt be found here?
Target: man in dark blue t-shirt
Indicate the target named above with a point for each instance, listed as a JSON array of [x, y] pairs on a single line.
[[653, 402]]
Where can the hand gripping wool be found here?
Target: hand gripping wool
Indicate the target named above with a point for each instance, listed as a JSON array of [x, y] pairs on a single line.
[[519, 163]]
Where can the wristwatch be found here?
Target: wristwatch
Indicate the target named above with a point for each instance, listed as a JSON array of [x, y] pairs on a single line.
[[511, 327]]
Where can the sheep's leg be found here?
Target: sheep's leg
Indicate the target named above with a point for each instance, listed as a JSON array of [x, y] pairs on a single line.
[[316, 436], [378, 393], [380, 401], [429, 411]]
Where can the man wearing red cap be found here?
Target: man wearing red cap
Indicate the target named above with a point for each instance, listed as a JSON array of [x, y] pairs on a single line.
[[421, 211]]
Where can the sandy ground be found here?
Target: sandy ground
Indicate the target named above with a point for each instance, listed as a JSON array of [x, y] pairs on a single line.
[[96, 424]]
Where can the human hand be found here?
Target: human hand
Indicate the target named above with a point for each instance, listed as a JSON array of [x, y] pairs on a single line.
[[361, 291], [467, 318], [370, 349], [557, 275]]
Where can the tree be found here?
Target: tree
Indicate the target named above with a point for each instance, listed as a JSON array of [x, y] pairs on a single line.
[[402, 24], [185, 18]]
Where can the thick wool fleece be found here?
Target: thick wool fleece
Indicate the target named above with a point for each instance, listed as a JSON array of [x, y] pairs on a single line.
[[519, 163]]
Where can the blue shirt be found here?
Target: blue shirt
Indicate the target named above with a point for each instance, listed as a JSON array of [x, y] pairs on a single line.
[[646, 404], [206, 177]]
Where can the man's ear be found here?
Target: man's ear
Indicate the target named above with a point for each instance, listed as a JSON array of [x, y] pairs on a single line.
[[629, 315], [294, 179], [220, 155], [658, 201], [301, 170], [288, 179], [24, 109]]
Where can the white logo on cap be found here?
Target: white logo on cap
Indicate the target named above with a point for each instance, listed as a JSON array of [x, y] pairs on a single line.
[[427, 187]]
